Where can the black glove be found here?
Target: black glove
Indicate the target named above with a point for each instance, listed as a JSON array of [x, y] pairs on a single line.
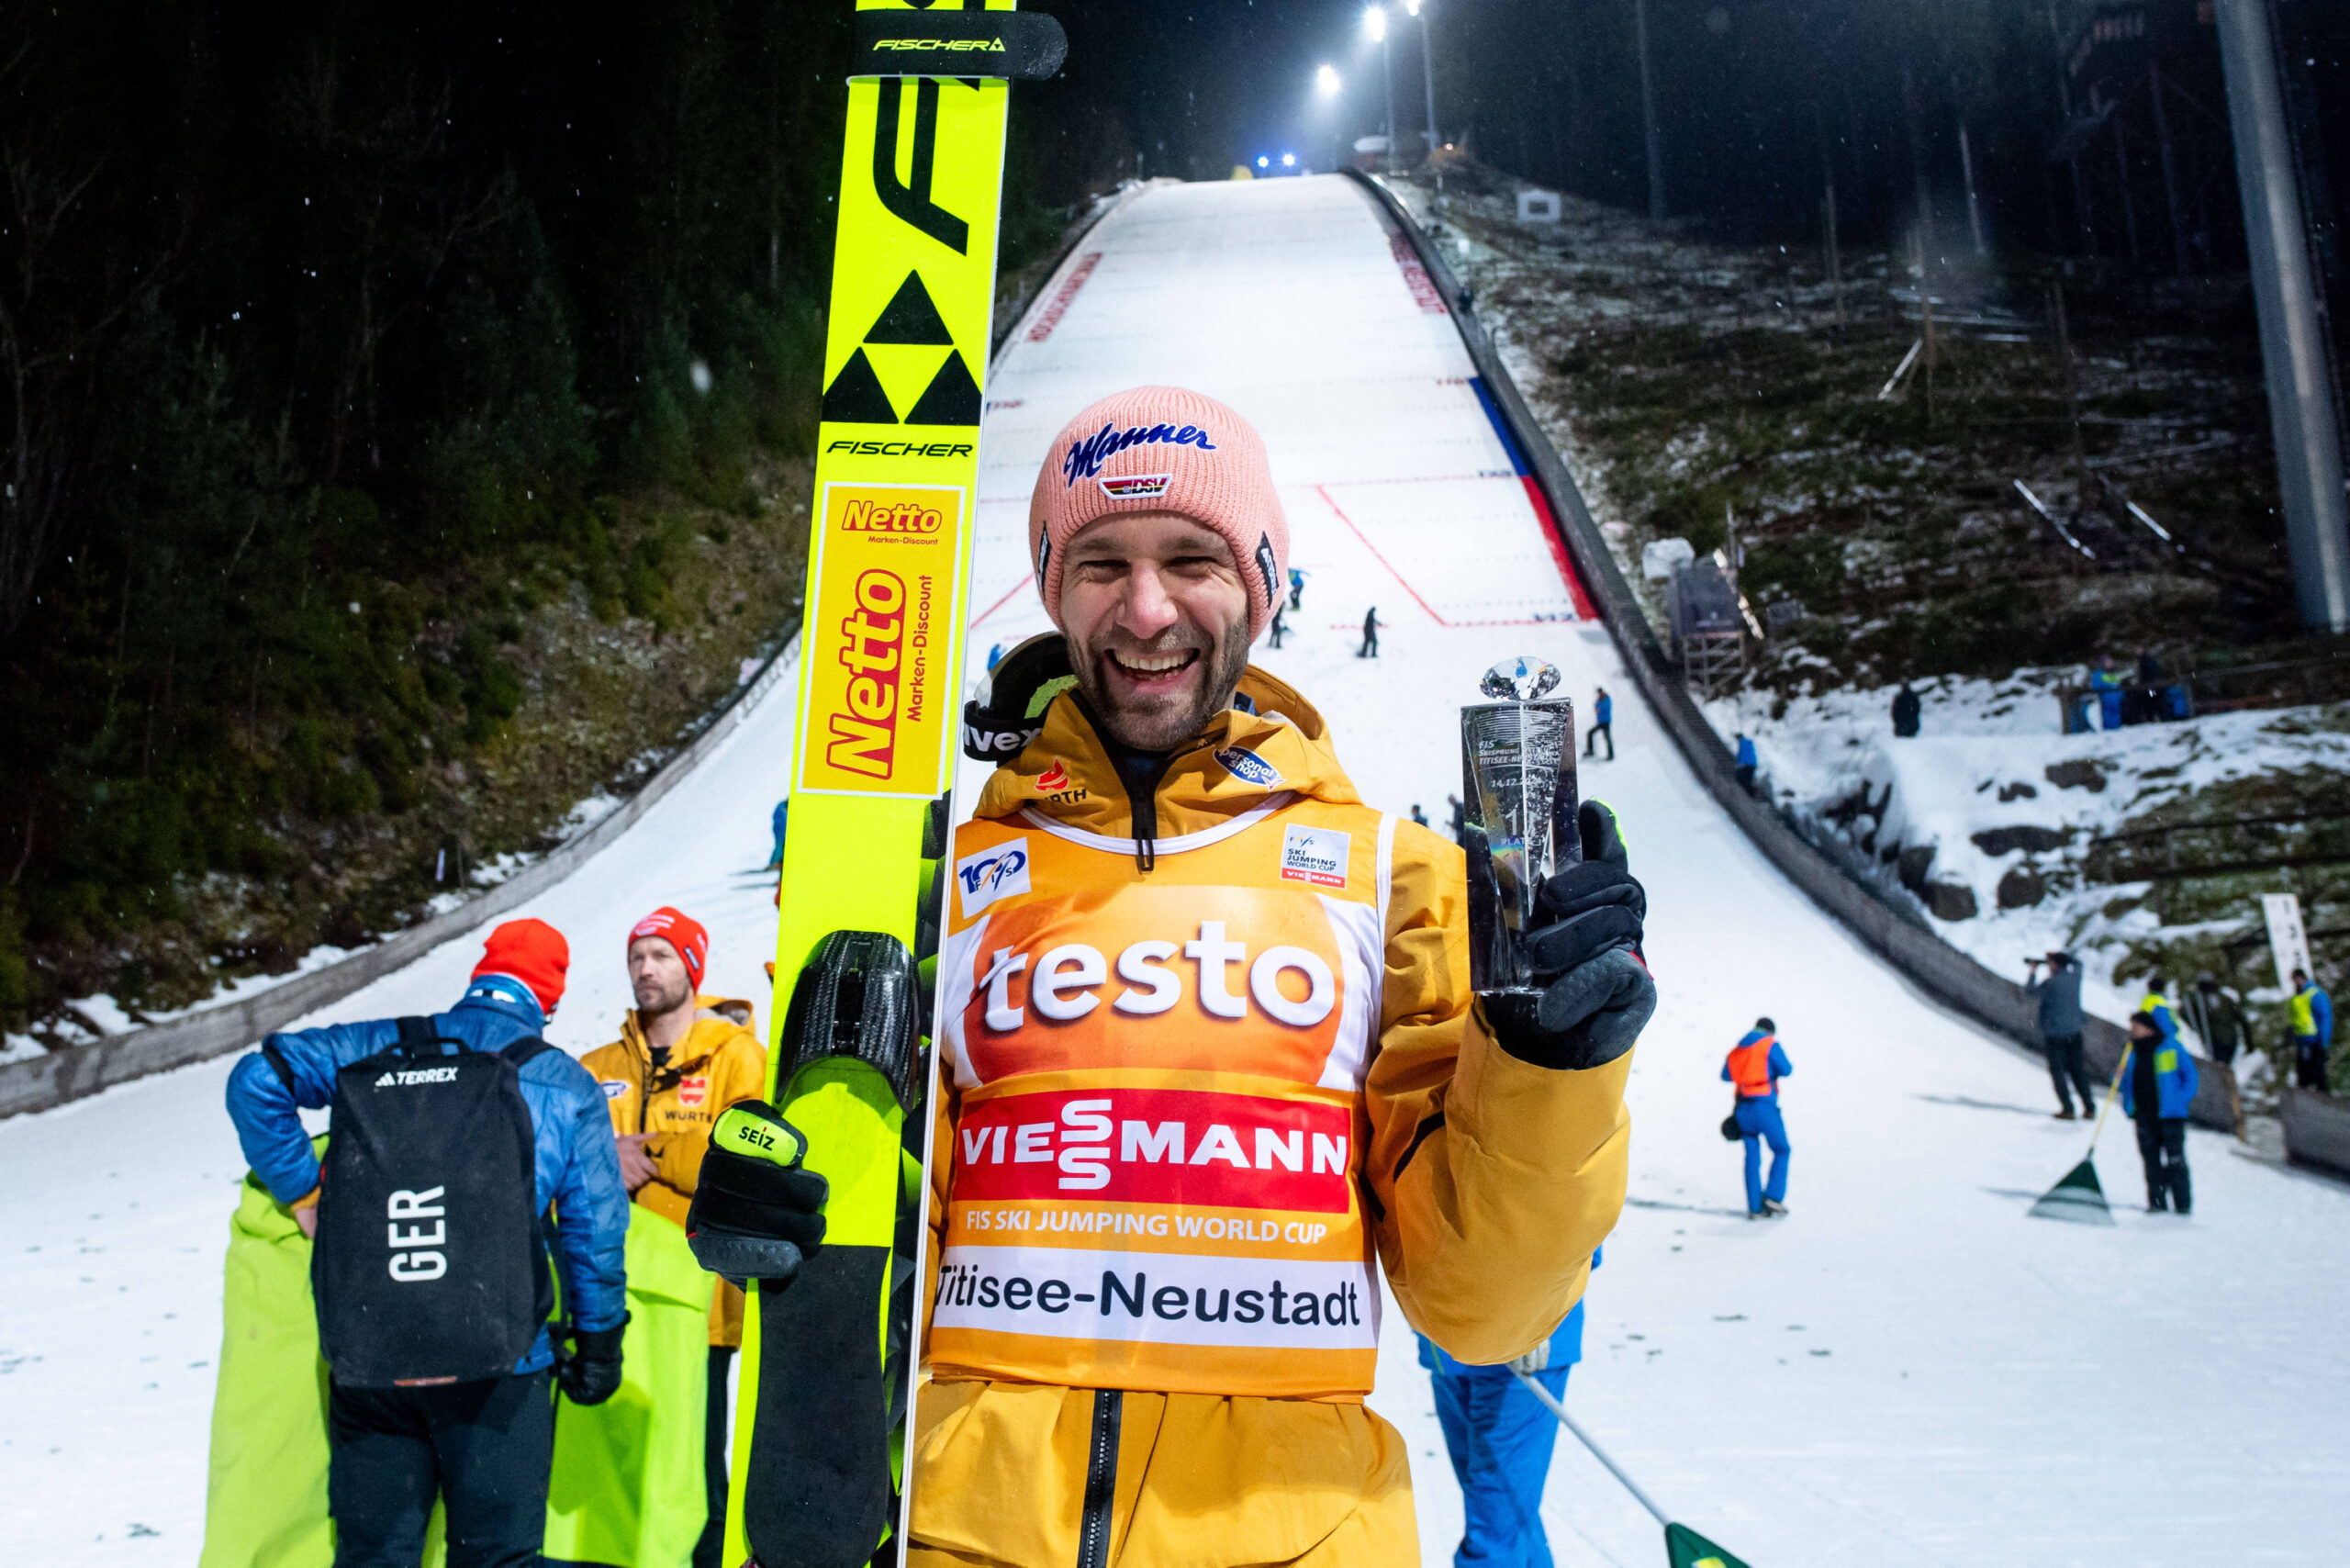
[[1585, 949], [591, 1371], [757, 1213]]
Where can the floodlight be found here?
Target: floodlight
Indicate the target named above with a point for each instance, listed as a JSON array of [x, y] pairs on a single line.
[[1374, 24], [1289, 160], [1326, 80]]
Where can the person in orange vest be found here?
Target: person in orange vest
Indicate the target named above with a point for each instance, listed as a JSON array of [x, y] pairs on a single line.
[[681, 1058], [1755, 1066]]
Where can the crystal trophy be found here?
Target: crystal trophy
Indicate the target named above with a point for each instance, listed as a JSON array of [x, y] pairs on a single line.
[[1517, 766]]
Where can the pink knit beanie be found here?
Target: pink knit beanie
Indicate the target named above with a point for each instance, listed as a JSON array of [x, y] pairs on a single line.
[[1162, 449]]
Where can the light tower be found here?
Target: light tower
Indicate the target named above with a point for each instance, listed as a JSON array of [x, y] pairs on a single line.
[[1374, 25], [1428, 66]]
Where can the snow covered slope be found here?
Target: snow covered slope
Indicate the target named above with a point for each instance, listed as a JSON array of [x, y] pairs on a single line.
[[1906, 1370]]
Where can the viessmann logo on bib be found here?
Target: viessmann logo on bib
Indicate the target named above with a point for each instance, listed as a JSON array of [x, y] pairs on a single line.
[[992, 874]]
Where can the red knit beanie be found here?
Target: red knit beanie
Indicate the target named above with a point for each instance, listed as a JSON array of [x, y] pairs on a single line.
[[531, 951], [682, 932], [1162, 449]]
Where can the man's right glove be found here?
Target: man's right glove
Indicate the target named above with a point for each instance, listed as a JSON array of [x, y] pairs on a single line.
[[757, 1213], [589, 1373], [1585, 948]]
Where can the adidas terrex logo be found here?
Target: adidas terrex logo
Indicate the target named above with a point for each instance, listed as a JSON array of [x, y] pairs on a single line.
[[402, 1077]]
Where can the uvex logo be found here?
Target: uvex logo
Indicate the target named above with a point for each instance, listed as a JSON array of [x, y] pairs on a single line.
[[904, 517], [864, 739]]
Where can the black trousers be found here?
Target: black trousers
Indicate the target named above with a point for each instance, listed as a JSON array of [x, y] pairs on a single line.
[[2309, 1064], [716, 1457], [1370, 649], [481, 1447], [1591, 740], [2067, 1066], [2162, 1144]]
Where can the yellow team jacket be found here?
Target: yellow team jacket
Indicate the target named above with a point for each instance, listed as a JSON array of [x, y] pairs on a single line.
[[718, 1062], [1189, 1092]]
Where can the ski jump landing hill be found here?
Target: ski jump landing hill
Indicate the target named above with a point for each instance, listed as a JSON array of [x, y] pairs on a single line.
[[1906, 1370]]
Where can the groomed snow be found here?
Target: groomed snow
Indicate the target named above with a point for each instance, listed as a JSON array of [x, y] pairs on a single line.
[[1905, 1370]]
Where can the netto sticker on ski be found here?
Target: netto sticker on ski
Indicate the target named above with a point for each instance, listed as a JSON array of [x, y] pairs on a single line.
[[877, 680]]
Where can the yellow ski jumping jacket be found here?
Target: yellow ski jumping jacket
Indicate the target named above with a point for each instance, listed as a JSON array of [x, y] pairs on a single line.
[[718, 1062], [1191, 1084]]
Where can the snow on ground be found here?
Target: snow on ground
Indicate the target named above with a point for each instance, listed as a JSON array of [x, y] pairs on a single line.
[[114, 1217], [1980, 763], [1906, 1369]]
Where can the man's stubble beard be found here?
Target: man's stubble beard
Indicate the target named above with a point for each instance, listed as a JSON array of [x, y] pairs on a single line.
[[1154, 731]]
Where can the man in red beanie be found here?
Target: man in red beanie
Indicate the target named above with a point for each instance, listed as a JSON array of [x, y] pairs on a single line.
[[1198, 996], [483, 1446], [681, 1058]]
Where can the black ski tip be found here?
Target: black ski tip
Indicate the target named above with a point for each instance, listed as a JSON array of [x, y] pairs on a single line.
[[856, 998], [1011, 46]]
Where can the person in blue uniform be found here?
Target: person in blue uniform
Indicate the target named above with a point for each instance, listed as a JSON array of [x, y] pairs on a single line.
[[1755, 1066], [1603, 723], [1499, 1437]]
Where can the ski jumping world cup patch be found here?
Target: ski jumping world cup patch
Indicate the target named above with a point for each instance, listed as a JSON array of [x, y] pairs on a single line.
[[1316, 854]]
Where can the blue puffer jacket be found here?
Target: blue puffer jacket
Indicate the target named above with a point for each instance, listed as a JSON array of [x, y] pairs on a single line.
[[2175, 1077], [578, 1163]]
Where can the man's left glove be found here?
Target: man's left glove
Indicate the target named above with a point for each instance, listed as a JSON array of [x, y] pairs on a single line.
[[756, 1212], [591, 1371], [1584, 949]]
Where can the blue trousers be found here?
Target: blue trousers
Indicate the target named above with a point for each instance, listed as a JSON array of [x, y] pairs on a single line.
[[1759, 1121], [1499, 1437]]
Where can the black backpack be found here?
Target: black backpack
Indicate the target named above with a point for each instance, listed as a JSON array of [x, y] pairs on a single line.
[[431, 1264]]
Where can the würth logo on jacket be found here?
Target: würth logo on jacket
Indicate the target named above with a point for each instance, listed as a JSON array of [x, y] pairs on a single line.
[[1056, 785]]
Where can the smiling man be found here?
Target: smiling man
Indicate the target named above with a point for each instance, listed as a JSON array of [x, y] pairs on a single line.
[[1210, 1056]]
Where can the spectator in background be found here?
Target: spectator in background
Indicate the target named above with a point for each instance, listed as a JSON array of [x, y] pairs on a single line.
[[777, 823], [1747, 762], [2105, 686], [1296, 588], [1906, 711], [1499, 1437], [2061, 1027], [1280, 628], [682, 1057], [2157, 1086], [2217, 1018], [1371, 625], [1603, 723], [1418, 815], [1460, 819], [2310, 1013], [1754, 1068]]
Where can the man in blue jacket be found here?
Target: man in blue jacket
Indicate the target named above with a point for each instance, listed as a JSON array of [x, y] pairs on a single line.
[[1603, 723], [483, 1446], [2062, 1025], [1499, 1437], [2310, 1013], [2157, 1089], [1755, 1066]]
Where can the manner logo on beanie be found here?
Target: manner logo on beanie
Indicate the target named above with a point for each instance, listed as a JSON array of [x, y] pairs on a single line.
[[1167, 450], [683, 933]]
